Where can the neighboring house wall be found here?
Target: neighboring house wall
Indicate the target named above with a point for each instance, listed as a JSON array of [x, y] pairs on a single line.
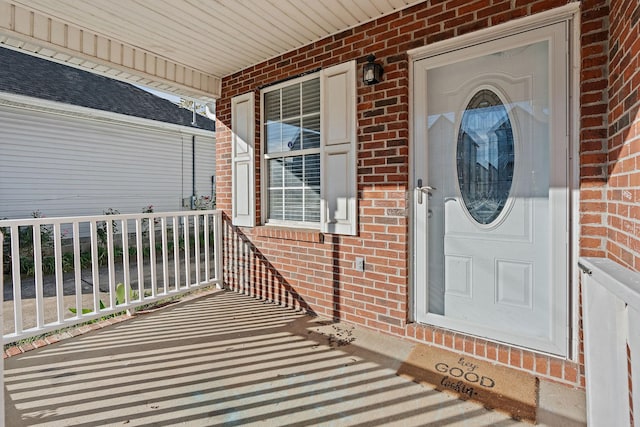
[[67, 165], [317, 272]]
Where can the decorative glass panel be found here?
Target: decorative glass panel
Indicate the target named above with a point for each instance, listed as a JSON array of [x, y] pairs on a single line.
[[485, 156]]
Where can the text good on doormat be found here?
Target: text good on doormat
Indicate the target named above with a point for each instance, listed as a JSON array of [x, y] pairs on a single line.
[[496, 387]]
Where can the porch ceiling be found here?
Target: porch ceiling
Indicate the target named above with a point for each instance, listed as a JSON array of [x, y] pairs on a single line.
[[184, 46]]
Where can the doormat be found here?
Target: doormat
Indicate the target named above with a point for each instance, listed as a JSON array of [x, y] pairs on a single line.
[[496, 387]]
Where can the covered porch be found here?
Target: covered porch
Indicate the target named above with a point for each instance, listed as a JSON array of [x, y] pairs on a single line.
[[223, 358], [354, 247]]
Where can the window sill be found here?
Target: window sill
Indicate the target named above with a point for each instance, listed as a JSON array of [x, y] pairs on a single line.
[[286, 233]]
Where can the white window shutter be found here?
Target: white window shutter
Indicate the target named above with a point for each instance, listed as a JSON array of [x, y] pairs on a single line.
[[339, 189], [243, 160]]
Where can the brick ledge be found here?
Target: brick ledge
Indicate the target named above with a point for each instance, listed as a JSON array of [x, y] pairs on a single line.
[[286, 233]]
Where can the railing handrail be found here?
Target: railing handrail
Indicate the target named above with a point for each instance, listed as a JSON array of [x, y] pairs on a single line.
[[90, 218], [616, 278]]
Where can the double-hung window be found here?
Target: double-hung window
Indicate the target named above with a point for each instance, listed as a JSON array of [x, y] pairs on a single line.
[[291, 126], [307, 156]]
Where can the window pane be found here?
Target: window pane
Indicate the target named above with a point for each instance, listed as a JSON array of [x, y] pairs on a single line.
[[275, 204], [293, 205], [312, 170], [291, 135], [311, 128], [293, 124], [272, 105], [274, 137], [291, 101], [275, 173], [293, 174], [311, 96], [312, 205]]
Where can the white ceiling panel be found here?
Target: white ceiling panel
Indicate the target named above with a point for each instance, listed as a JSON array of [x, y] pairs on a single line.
[[217, 37]]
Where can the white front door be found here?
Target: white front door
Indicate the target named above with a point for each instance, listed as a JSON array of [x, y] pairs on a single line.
[[491, 198]]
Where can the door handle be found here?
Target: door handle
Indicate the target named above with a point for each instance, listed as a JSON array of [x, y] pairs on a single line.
[[423, 189]]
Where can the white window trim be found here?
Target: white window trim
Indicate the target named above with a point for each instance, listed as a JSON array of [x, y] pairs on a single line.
[[264, 156]]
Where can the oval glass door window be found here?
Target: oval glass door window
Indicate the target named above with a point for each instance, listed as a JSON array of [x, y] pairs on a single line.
[[485, 156]]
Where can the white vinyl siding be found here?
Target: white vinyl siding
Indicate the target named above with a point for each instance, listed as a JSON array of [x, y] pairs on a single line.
[[67, 166]]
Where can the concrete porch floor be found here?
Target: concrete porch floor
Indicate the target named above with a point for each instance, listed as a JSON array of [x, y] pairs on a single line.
[[228, 359]]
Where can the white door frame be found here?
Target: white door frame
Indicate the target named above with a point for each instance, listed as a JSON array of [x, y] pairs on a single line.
[[570, 14]]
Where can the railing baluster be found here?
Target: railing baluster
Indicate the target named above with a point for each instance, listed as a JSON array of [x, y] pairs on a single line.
[[111, 265], [77, 267], [152, 257], [176, 251], [95, 267], [187, 258], [37, 262], [57, 249], [140, 258], [196, 244], [125, 261], [165, 255], [207, 264], [217, 251], [17, 283]]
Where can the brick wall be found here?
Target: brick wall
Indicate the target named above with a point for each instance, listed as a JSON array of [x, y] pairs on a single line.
[[316, 272], [623, 195], [593, 127]]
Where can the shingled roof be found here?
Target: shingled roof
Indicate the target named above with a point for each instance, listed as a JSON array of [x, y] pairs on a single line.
[[30, 76]]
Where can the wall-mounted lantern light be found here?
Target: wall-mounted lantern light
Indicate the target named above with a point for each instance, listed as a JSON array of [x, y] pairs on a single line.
[[371, 72]]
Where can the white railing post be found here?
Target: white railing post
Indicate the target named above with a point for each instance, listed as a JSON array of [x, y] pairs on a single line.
[[207, 253], [95, 272], [217, 242], [140, 258], [37, 262], [187, 249], [152, 257], [17, 282], [176, 251], [165, 255], [57, 248], [196, 245], [77, 268], [111, 265], [125, 261]]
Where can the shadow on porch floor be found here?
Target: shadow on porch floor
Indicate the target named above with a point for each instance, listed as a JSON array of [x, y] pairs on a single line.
[[228, 359]]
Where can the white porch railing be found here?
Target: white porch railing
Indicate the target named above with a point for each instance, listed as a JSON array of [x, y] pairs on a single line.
[[611, 316], [57, 272]]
